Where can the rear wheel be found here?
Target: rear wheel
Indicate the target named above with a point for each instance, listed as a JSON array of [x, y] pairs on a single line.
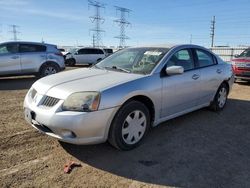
[[49, 69], [220, 98], [129, 126]]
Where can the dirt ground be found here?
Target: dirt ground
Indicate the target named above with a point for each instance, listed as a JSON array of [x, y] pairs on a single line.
[[200, 149]]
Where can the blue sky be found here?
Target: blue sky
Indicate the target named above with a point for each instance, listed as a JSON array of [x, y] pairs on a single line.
[[64, 22]]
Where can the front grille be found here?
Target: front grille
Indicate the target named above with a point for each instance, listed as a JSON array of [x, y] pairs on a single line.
[[50, 101]]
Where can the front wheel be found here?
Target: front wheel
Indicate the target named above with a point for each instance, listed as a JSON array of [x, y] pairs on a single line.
[[129, 126], [71, 62], [220, 98]]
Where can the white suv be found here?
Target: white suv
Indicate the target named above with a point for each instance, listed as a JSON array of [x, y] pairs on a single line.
[[22, 58], [85, 56]]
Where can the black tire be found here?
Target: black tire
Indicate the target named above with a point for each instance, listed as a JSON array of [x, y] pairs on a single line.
[[217, 105], [48, 69], [116, 137], [71, 62]]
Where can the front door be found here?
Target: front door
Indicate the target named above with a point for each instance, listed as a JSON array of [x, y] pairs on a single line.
[[180, 91], [9, 59]]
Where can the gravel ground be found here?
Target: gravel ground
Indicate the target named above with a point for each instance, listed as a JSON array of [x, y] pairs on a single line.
[[200, 149]]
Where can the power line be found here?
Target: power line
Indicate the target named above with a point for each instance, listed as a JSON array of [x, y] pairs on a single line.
[[98, 20], [14, 31], [123, 23], [212, 31]]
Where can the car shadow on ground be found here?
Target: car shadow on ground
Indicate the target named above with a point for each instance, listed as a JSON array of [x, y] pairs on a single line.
[[243, 82], [200, 149], [16, 83]]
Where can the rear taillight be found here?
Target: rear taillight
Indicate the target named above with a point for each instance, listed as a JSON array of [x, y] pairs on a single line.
[[59, 54]]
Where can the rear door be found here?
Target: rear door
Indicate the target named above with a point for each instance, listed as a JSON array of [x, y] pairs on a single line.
[[211, 75], [32, 57], [95, 54], [9, 59], [82, 56], [180, 92]]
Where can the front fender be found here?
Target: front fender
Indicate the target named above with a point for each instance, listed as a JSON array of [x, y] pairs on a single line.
[[149, 86]]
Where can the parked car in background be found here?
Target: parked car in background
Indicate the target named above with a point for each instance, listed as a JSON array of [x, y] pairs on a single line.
[[63, 51], [87, 56], [241, 65], [125, 94], [21, 58], [108, 51]]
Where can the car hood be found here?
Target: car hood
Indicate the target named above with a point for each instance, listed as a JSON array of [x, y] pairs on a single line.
[[61, 85]]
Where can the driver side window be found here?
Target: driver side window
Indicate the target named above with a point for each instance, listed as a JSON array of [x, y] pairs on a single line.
[[182, 58]]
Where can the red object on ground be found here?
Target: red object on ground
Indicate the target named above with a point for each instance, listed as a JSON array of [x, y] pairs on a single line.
[[69, 166]]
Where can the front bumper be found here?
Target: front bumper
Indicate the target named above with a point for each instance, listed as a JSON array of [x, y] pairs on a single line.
[[242, 76], [241, 73], [68, 126]]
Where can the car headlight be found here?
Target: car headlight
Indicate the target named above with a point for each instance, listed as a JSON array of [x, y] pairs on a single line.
[[82, 101], [32, 93]]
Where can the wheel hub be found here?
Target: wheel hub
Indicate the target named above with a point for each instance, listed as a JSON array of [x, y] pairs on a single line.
[[134, 127]]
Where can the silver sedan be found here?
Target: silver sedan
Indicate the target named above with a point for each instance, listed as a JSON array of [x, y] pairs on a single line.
[[121, 97]]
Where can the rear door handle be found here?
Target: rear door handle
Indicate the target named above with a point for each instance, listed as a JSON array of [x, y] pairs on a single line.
[[219, 71], [195, 76], [15, 57]]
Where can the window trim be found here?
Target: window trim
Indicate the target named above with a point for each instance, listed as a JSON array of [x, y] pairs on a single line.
[[27, 44], [190, 51], [215, 61]]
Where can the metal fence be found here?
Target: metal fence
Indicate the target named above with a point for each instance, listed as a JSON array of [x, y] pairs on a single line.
[[227, 53]]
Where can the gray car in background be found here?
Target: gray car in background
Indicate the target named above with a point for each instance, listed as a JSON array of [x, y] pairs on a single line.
[[22, 58]]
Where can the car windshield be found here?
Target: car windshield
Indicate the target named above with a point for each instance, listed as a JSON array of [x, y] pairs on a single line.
[[73, 50], [245, 53], [133, 60]]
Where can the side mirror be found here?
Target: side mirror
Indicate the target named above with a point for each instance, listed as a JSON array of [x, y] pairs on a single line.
[[172, 70], [76, 53], [236, 56]]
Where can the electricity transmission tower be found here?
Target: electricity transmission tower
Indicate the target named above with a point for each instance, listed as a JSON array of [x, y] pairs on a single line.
[[93, 40], [122, 23], [14, 31], [212, 29], [98, 20]]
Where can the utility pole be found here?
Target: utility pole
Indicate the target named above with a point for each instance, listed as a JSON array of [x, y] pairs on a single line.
[[122, 23], [212, 29], [0, 30], [98, 20], [14, 31], [191, 39], [93, 40]]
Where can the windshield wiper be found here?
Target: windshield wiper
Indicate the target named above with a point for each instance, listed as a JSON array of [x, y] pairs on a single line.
[[118, 68]]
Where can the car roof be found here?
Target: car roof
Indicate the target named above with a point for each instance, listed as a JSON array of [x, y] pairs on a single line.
[[28, 42], [168, 46]]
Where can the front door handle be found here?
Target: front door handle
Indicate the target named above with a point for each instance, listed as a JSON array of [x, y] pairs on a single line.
[[15, 57], [219, 71], [195, 76]]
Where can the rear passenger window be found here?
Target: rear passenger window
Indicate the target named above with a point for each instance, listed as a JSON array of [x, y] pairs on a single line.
[[182, 58], [82, 51], [204, 58], [32, 48], [98, 51]]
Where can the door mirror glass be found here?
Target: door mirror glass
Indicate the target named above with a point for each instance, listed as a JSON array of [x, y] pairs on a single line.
[[172, 70], [236, 56]]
